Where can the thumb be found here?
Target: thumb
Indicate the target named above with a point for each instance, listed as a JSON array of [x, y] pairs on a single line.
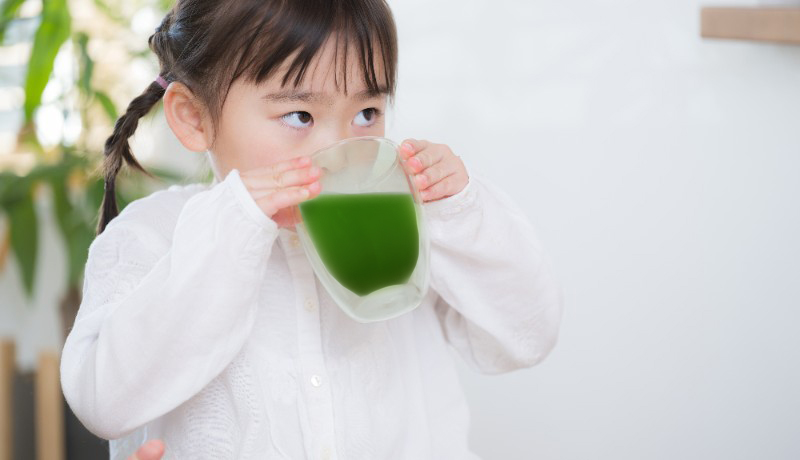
[[151, 450]]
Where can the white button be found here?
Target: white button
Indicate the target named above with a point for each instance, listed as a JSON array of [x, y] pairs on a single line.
[[326, 453], [316, 381], [294, 242], [309, 305]]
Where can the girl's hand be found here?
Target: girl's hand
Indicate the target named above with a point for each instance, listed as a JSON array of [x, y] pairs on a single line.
[[151, 450], [437, 171], [278, 187]]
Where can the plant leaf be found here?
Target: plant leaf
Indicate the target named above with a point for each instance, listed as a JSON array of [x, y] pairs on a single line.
[[65, 215], [24, 237], [86, 63], [78, 247], [53, 31], [5, 242], [165, 5], [7, 180], [61, 204], [8, 11], [95, 191], [76, 229], [109, 12], [13, 188], [49, 172], [108, 105]]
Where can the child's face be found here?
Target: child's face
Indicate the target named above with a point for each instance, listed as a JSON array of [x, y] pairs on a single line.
[[265, 124]]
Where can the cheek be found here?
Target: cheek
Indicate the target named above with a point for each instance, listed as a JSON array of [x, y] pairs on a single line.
[[379, 129], [260, 152], [252, 142], [376, 129]]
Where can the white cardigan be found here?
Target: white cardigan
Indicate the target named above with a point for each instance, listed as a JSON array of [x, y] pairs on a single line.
[[202, 324]]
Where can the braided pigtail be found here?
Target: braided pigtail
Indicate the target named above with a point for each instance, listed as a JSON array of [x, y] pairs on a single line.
[[117, 150]]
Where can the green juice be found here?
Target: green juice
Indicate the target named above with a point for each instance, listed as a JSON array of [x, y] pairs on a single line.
[[367, 241]]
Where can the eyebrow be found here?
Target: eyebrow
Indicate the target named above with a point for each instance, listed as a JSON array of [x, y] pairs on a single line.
[[306, 96]]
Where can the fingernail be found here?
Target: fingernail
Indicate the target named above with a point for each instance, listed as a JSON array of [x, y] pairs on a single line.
[[415, 164], [408, 149], [421, 180]]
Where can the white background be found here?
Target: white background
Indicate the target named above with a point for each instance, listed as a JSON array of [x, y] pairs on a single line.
[[662, 173]]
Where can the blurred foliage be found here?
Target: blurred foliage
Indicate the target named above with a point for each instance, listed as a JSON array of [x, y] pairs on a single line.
[[54, 29], [70, 171]]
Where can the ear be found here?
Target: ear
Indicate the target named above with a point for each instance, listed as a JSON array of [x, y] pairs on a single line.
[[187, 117]]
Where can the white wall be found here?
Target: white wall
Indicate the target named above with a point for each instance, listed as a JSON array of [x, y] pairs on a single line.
[[663, 173]]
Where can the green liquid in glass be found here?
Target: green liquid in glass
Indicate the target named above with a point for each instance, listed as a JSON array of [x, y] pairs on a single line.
[[367, 241]]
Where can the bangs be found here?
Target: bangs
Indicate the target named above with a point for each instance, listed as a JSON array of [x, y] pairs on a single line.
[[299, 30]]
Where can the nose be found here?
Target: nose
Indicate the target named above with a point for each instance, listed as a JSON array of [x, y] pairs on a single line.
[[333, 135], [335, 159]]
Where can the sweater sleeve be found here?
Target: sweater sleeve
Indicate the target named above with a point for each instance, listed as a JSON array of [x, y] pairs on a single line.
[[162, 316], [499, 304]]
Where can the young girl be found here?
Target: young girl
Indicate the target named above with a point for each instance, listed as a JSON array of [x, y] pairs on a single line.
[[202, 323]]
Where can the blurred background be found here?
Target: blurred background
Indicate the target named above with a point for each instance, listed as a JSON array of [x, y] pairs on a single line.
[[659, 167]]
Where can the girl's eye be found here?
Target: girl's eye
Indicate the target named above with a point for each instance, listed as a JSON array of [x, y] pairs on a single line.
[[367, 117], [298, 119]]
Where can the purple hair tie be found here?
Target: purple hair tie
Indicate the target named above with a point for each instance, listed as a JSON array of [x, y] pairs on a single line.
[[163, 83]]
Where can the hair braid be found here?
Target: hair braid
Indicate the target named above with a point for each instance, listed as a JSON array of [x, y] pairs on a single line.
[[117, 150]]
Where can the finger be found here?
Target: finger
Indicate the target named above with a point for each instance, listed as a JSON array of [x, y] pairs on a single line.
[[286, 197], [435, 173], [426, 158], [409, 147], [276, 169], [151, 450], [294, 177], [289, 178], [441, 189]]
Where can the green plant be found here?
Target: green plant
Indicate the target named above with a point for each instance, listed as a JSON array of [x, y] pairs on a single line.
[[68, 169]]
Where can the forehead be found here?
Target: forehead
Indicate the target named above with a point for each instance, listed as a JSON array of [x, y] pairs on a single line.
[[333, 71]]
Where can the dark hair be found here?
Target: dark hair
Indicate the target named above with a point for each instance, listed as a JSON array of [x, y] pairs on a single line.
[[209, 44]]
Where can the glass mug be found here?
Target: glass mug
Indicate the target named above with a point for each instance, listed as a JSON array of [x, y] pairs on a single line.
[[365, 234]]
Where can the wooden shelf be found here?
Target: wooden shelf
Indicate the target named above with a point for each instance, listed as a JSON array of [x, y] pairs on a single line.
[[780, 25]]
